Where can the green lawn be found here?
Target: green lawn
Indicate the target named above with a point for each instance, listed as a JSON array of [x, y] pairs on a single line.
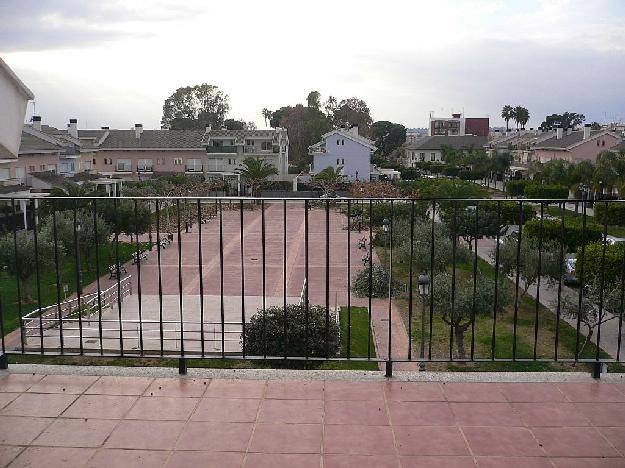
[[67, 274]]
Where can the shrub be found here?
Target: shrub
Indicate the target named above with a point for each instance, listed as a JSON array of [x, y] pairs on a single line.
[[546, 191], [516, 188], [451, 171], [379, 283], [472, 175], [574, 234], [266, 335], [510, 212], [410, 173], [613, 263], [615, 212]]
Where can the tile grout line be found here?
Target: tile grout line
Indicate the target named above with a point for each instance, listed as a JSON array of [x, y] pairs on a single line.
[[390, 422], [457, 424], [256, 421]]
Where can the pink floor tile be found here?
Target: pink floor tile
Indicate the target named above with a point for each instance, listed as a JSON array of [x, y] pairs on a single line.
[[8, 453], [513, 462], [362, 440], [485, 414], [291, 390], [21, 430], [128, 458], [437, 462], [550, 414], [588, 462], [6, 398], [100, 407], [361, 461], [593, 392], [372, 413], [472, 392], [275, 460], [428, 440], [215, 436], [113, 385], [76, 432], [146, 435], [70, 384], [573, 442], [205, 460], [616, 436], [163, 408], [343, 390], [227, 410], [414, 391], [286, 438], [603, 414], [18, 382], [292, 411], [502, 441], [531, 392], [412, 413], [236, 389], [53, 457], [38, 405], [181, 387]]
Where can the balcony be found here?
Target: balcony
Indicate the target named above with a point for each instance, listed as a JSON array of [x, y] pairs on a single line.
[[221, 149]]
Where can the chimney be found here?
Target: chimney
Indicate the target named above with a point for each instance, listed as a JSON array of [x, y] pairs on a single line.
[[587, 128], [455, 116], [138, 130], [72, 128], [558, 133], [37, 122], [354, 130]]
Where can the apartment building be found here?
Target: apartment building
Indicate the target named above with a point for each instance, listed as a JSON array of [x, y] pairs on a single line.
[[431, 148], [520, 144], [576, 146], [458, 125], [226, 150]]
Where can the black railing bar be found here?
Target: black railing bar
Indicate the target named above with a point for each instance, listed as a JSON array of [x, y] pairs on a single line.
[[453, 281], [370, 289], [65, 320], [622, 309], [390, 285], [580, 262], [3, 348], [516, 282], [306, 299], [432, 246], [118, 274], [160, 278], [327, 278], [477, 221], [200, 269], [180, 299], [602, 279], [284, 276], [264, 278], [411, 284], [349, 279], [17, 274], [559, 298], [97, 269], [37, 270], [242, 277], [139, 301], [221, 271], [496, 290], [538, 278], [58, 276]]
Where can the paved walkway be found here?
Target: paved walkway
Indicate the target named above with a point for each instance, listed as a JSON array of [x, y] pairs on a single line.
[[90, 421]]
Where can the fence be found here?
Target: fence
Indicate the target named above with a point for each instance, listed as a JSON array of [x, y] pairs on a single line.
[[416, 280]]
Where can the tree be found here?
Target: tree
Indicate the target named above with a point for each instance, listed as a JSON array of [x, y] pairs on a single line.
[[68, 190], [353, 111], [609, 172], [590, 314], [195, 107], [388, 136], [266, 115], [466, 305], [528, 260], [565, 120], [306, 332], [329, 179], [470, 227], [26, 263], [121, 216], [521, 116], [507, 113], [255, 171], [314, 100], [379, 282]]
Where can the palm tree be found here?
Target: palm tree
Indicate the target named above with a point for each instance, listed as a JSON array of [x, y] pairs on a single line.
[[329, 179], [254, 171], [267, 115], [521, 115], [506, 114]]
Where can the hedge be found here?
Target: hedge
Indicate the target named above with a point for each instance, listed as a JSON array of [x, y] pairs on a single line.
[[616, 213], [613, 263], [516, 188], [546, 191], [266, 335], [510, 212], [574, 234]]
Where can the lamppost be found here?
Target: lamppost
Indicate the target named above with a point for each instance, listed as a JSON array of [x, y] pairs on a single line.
[[424, 292], [78, 229], [386, 227]]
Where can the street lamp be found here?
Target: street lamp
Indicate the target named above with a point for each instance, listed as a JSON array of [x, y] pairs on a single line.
[[78, 229], [386, 225], [424, 292]]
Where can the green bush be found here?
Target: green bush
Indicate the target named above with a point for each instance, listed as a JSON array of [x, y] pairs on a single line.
[[410, 173], [615, 211], [516, 188], [472, 175], [613, 263], [574, 234], [266, 335], [379, 282], [451, 171], [546, 191], [510, 212]]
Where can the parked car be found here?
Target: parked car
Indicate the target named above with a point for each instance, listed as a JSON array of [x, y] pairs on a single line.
[[613, 240], [569, 277]]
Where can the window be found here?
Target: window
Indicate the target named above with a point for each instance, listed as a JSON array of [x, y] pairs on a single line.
[[602, 142], [340, 162], [177, 161], [232, 162], [421, 157], [52, 167], [597, 142], [249, 142], [5, 174], [194, 165], [266, 146], [144, 165], [42, 167], [31, 169], [340, 142], [93, 161], [124, 165], [432, 156]]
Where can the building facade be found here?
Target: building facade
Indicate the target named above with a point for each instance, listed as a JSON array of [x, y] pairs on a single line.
[[458, 125], [431, 149], [576, 146]]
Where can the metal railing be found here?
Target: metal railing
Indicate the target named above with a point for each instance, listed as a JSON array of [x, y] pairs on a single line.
[[523, 281], [221, 149]]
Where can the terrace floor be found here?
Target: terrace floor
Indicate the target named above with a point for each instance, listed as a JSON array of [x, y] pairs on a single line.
[[110, 420]]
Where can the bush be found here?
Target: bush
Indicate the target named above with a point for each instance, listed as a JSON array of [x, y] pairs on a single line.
[[613, 264], [516, 188], [615, 212], [472, 175], [410, 173], [266, 336], [379, 283], [574, 234], [451, 171], [546, 191]]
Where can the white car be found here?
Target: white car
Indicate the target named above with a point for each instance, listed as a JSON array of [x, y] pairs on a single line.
[[612, 240]]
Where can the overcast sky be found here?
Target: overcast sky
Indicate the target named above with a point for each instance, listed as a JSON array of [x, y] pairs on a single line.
[[114, 62]]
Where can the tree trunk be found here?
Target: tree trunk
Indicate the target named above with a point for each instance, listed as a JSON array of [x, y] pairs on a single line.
[[459, 332], [586, 341]]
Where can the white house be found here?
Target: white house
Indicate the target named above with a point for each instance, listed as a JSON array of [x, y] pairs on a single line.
[[343, 148], [14, 96]]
